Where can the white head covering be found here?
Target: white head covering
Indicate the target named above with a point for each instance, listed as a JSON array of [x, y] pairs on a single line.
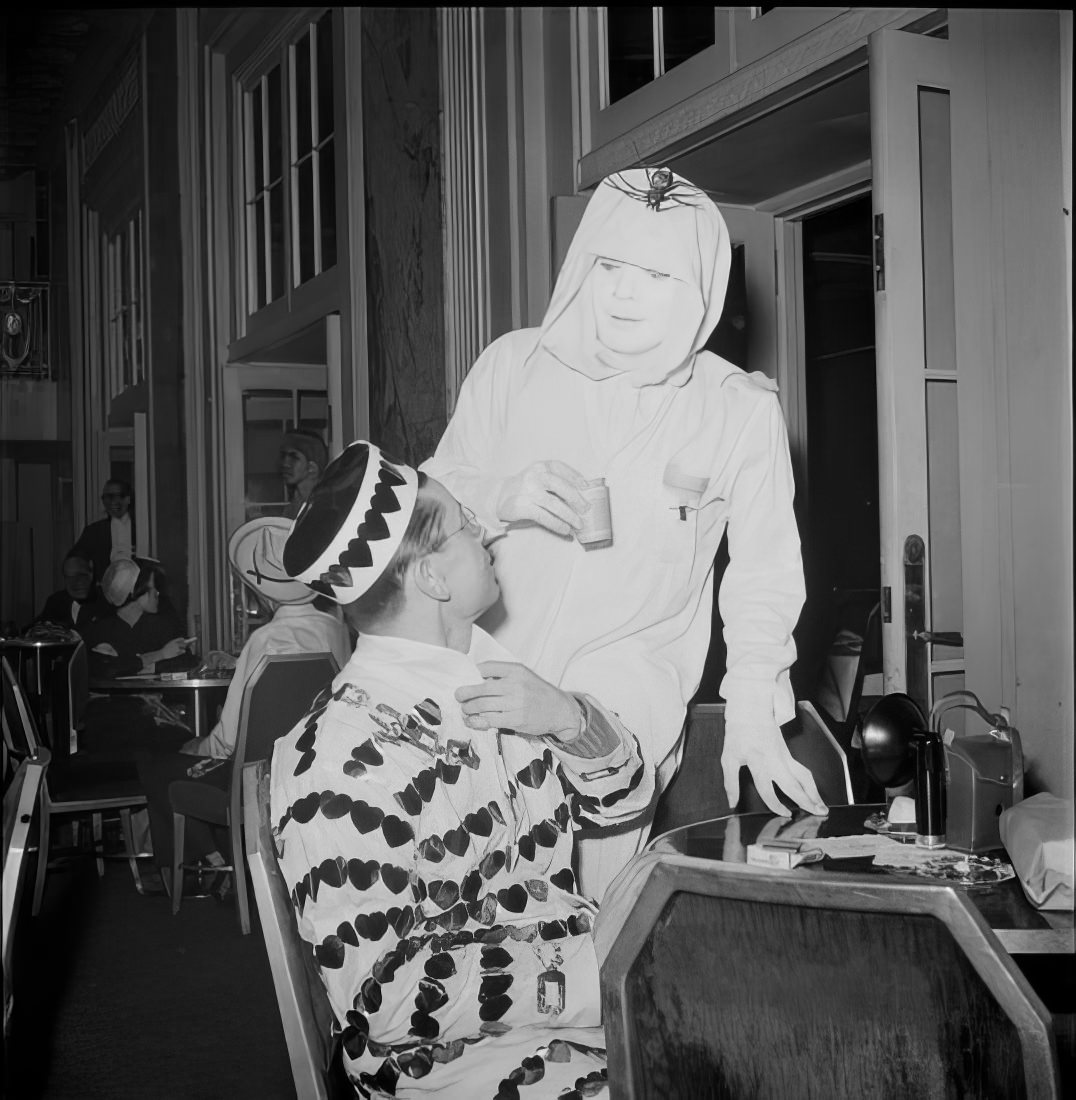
[[637, 217], [352, 523], [256, 551], [119, 581]]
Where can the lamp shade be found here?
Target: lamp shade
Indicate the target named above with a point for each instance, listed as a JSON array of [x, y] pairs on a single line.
[[888, 739]]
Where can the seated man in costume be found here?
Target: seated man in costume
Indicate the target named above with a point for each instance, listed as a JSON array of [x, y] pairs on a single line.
[[426, 809], [296, 626]]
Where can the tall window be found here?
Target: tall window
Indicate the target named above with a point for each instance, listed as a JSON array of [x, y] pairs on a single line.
[[313, 159], [645, 43], [265, 191], [122, 282], [290, 166]]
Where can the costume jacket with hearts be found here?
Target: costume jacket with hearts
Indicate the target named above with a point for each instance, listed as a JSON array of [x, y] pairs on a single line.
[[431, 871]]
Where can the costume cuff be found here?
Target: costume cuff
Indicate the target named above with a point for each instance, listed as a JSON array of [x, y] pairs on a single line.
[[759, 702], [596, 738]]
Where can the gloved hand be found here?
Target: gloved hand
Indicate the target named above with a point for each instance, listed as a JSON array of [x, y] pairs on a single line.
[[546, 493], [763, 750], [514, 698]]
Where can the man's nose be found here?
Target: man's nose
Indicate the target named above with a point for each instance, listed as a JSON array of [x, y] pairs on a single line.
[[624, 287]]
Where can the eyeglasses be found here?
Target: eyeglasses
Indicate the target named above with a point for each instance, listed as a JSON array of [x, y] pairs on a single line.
[[470, 524]]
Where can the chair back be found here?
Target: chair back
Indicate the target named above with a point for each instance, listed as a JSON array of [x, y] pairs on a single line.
[[279, 692], [78, 695], [20, 729], [816, 748], [20, 799], [301, 998], [727, 981]]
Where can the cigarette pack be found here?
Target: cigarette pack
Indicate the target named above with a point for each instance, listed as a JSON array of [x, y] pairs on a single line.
[[783, 856]]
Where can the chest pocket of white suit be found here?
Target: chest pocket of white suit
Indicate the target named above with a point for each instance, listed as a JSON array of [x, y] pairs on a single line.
[[678, 518]]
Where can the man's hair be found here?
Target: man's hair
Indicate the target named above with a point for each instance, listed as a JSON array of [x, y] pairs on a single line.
[[124, 486], [310, 443], [425, 530]]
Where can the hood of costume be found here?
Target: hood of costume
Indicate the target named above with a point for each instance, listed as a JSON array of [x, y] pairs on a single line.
[[683, 235]]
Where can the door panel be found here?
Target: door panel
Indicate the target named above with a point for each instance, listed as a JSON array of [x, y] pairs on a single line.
[[919, 491]]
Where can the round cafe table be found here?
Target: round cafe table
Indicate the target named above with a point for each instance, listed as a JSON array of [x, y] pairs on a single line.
[[200, 694]]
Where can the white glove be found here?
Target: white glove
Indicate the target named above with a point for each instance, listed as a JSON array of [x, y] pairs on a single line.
[[546, 493], [763, 750], [513, 698]]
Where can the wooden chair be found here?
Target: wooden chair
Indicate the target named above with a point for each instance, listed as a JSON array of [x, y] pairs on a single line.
[[277, 694], [734, 981], [79, 785], [817, 749], [304, 1007], [78, 696], [20, 798]]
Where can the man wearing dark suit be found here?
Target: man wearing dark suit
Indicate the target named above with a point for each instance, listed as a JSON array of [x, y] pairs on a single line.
[[79, 602], [110, 538]]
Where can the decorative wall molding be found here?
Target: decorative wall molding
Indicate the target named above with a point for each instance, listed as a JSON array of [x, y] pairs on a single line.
[[107, 124], [464, 187]]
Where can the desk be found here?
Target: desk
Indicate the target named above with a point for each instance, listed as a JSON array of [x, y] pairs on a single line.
[[199, 694], [37, 663], [1021, 928]]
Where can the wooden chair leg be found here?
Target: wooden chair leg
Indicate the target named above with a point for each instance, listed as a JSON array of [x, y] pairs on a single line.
[[178, 829], [42, 856], [129, 844], [98, 844], [239, 874]]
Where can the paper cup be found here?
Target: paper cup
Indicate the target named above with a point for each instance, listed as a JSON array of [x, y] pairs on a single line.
[[597, 520]]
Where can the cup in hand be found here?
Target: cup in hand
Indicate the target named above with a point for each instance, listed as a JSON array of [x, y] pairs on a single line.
[[597, 520]]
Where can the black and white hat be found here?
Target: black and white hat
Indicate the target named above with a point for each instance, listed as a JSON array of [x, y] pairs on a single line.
[[352, 523]]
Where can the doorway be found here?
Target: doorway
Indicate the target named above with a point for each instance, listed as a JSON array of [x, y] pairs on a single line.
[[839, 516]]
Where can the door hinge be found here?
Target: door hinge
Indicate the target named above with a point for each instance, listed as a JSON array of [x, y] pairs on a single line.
[[879, 252]]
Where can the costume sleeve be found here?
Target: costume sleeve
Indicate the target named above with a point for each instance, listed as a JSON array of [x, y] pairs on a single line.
[[763, 591], [612, 787], [463, 461]]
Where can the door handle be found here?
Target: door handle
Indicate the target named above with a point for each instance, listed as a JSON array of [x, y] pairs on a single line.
[[939, 637]]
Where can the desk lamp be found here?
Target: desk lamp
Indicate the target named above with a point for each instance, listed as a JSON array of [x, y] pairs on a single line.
[[898, 746]]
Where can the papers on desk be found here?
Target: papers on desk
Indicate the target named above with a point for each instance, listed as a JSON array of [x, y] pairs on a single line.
[[936, 863]]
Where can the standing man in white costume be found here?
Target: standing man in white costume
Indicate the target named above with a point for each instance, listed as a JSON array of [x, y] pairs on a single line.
[[614, 385]]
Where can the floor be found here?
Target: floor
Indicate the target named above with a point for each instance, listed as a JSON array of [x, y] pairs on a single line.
[[117, 999]]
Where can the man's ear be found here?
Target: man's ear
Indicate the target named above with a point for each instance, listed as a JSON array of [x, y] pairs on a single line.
[[429, 580]]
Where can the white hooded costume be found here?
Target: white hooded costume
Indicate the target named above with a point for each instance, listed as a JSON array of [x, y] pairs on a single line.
[[688, 444]]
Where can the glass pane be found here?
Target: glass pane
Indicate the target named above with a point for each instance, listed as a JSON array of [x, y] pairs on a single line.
[[314, 412], [275, 136], [259, 250], [266, 416], [325, 75], [276, 239], [327, 184], [687, 30], [301, 94], [305, 225], [937, 229], [630, 49], [257, 179], [943, 480]]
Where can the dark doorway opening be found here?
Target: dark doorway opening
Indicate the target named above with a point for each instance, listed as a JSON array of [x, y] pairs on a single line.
[[838, 504]]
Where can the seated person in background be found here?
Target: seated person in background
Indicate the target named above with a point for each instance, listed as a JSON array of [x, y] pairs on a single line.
[[303, 458], [110, 539], [79, 602], [426, 809], [254, 551], [133, 637]]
